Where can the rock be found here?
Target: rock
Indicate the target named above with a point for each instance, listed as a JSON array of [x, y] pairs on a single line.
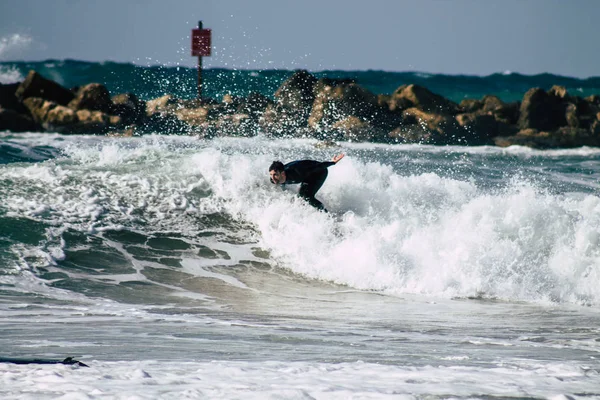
[[11, 120], [559, 91], [294, 99], [193, 116], [507, 113], [231, 103], [129, 107], [163, 123], [38, 108], [355, 129], [8, 100], [481, 128], [297, 92], [93, 97], [593, 99], [166, 103], [383, 100], [423, 99], [491, 103], [255, 105], [563, 137], [36, 85], [568, 136], [237, 125], [50, 115], [541, 111], [335, 103], [96, 122], [470, 105], [572, 116], [56, 118], [437, 128], [595, 127], [240, 125], [281, 121], [411, 134]]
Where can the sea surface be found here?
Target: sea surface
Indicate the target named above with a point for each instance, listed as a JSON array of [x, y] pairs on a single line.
[[153, 81], [174, 269]]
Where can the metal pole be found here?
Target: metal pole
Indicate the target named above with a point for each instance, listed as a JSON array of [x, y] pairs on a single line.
[[200, 70]]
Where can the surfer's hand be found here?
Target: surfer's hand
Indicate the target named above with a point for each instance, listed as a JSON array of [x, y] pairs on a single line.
[[338, 157]]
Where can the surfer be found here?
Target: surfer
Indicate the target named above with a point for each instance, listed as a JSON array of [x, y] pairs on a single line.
[[310, 174]]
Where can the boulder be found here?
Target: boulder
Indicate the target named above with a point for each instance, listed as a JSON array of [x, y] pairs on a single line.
[[240, 125], [563, 137], [437, 128], [166, 103], [559, 92], [56, 118], [383, 100], [541, 111], [491, 103], [129, 107], [231, 103], [297, 92], [162, 123], [96, 122], [569, 136], [411, 134], [38, 108], [237, 125], [36, 85], [356, 130], [423, 99], [481, 128], [507, 113], [254, 106], [336, 102], [94, 97], [572, 115], [595, 128], [281, 121], [11, 120], [470, 105], [593, 99], [8, 100], [193, 116]]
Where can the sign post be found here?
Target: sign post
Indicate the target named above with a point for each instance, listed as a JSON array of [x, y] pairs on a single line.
[[201, 48]]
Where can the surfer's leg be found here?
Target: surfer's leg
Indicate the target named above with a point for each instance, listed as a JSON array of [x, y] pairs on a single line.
[[310, 188], [316, 204]]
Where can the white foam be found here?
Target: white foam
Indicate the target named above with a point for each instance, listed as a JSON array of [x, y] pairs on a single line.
[[421, 234], [295, 380], [10, 75]]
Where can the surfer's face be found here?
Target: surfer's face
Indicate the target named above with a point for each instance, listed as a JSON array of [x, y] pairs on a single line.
[[277, 177]]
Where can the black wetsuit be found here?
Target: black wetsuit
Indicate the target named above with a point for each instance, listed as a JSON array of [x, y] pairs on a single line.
[[311, 175]]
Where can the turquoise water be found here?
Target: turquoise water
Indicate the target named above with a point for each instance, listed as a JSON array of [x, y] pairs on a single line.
[[155, 81]]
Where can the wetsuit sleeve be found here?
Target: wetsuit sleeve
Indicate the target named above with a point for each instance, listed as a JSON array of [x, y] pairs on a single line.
[[300, 171], [318, 167]]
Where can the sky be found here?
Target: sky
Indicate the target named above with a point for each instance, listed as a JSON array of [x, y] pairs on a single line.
[[471, 37]]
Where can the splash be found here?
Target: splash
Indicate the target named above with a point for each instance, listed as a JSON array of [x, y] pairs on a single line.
[[10, 75]]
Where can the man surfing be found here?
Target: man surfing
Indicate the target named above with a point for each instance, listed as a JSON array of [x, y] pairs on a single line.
[[310, 174]]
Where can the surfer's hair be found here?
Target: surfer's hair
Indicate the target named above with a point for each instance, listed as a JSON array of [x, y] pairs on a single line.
[[276, 166]]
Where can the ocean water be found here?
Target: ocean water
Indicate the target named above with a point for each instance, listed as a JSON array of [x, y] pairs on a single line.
[[174, 269], [154, 81]]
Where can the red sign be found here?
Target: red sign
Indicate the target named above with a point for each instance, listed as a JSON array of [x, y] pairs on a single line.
[[201, 42]]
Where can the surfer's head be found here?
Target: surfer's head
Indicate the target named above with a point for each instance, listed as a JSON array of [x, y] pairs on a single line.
[[277, 172]]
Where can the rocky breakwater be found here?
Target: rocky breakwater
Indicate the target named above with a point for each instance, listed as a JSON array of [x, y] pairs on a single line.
[[305, 106]]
